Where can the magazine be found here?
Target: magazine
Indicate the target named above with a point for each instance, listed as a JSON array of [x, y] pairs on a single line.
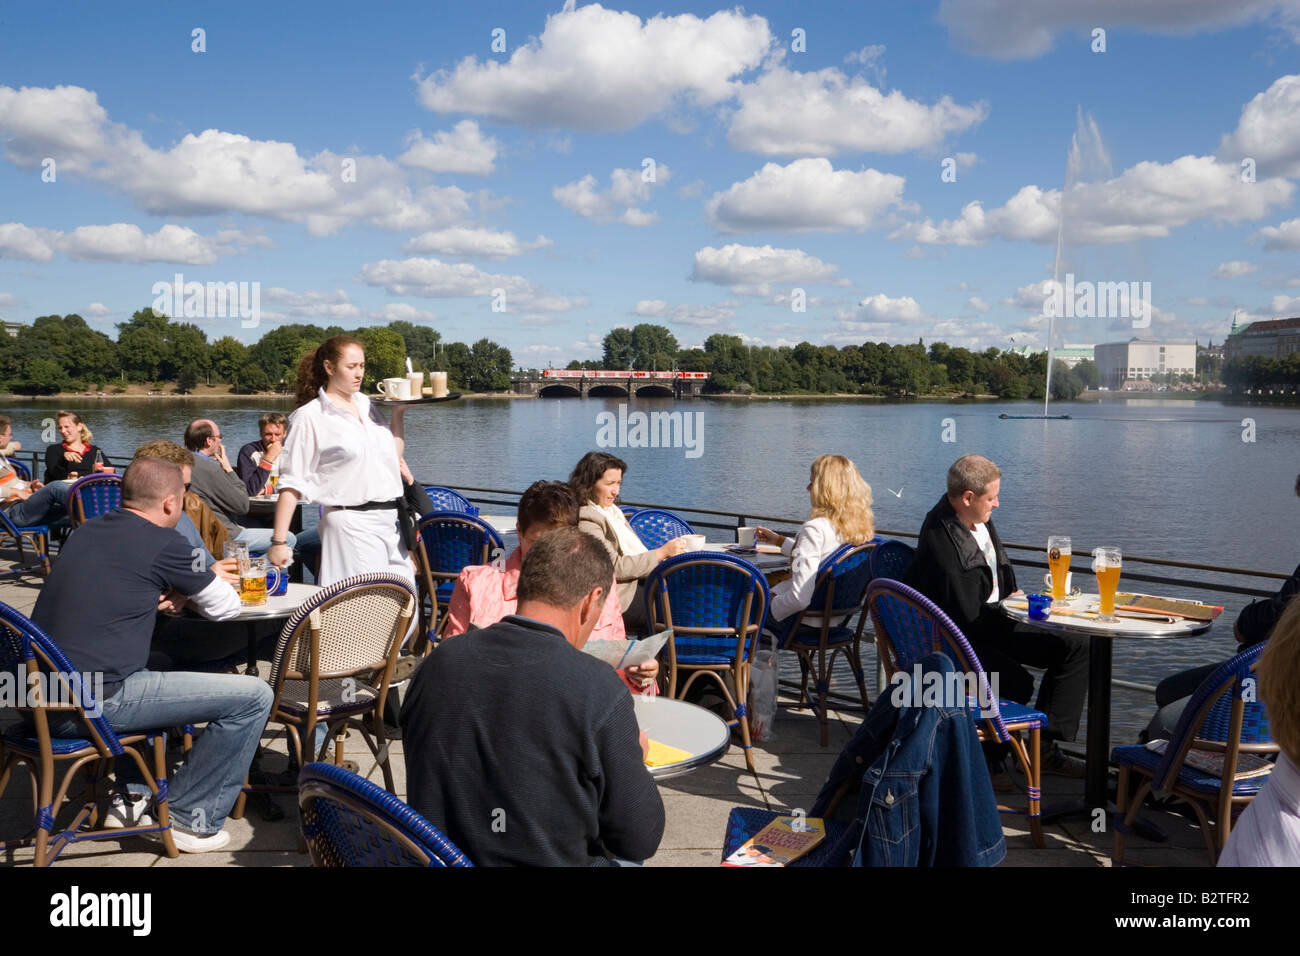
[[621, 654], [779, 843], [1211, 761]]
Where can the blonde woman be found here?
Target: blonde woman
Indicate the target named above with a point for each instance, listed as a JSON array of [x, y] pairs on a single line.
[[841, 514], [75, 455]]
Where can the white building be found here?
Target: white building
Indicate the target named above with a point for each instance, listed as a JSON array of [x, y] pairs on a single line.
[[1140, 359]]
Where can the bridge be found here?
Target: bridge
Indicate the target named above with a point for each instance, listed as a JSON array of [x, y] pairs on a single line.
[[601, 383]]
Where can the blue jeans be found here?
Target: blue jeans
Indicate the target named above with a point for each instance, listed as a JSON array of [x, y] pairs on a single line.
[[259, 539], [235, 708], [43, 507]]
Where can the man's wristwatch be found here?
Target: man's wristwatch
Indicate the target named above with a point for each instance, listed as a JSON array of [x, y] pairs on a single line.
[[279, 544]]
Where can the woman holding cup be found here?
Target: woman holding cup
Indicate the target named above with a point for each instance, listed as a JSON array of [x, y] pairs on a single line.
[[342, 455]]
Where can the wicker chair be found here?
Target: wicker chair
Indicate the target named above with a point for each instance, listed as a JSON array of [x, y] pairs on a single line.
[[25, 648], [349, 821], [334, 664], [444, 499], [21, 470], [840, 593], [1219, 719], [448, 543], [890, 559], [716, 605], [656, 527], [93, 495], [908, 627], [38, 535]]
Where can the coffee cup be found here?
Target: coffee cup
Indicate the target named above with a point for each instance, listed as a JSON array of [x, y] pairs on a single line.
[[395, 389], [694, 542], [438, 381], [745, 537]]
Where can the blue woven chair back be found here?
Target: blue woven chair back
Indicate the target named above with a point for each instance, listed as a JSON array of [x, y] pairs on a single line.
[[444, 499], [349, 821], [909, 627], [455, 541], [1208, 715], [890, 559], [21, 470], [656, 527], [628, 510], [22, 641], [703, 590], [94, 495], [849, 568]]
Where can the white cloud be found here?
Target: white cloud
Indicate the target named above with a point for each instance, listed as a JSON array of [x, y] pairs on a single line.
[[126, 242], [966, 160], [806, 195], [750, 270], [978, 304], [1283, 237], [1029, 298], [434, 279], [462, 149], [312, 304], [403, 312], [691, 190], [620, 203], [97, 308], [881, 308], [473, 242], [1268, 131], [1146, 201], [1235, 269], [822, 113], [23, 242], [215, 171], [872, 60], [604, 70], [705, 316], [1018, 29]]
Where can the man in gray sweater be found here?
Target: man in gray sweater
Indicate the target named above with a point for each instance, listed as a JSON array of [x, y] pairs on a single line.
[[523, 749], [216, 482]]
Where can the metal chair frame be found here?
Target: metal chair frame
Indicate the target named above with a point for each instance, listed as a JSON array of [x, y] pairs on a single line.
[[431, 580]]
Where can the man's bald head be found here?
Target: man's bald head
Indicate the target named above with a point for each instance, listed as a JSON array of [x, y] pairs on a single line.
[[200, 434], [147, 484]]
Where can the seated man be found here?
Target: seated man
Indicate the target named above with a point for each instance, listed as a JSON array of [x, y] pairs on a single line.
[[214, 480], [484, 593], [29, 503], [1254, 624], [541, 764], [99, 604], [259, 461], [961, 566], [1268, 832]]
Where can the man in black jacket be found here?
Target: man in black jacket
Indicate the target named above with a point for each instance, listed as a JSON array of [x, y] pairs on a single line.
[[956, 559], [521, 747]]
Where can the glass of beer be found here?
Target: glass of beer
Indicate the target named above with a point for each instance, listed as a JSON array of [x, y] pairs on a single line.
[[1106, 564], [252, 581], [1058, 565]]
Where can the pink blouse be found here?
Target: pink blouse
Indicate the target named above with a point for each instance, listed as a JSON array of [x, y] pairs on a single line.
[[484, 594]]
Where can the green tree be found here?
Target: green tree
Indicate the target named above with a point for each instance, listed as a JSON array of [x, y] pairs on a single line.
[[619, 352], [142, 345], [1086, 372], [654, 347], [42, 376], [489, 367], [455, 360], [385, 354], [278, 352], [421, 343], [226, 356], [186, 351], [249, 379]]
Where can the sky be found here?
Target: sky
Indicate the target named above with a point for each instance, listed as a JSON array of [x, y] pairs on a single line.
[[536, 173]]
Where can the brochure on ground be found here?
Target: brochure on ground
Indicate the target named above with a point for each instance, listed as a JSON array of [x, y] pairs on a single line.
[[779, 843]]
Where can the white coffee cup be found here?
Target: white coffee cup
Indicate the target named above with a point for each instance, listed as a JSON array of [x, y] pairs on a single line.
[[395, 389], [438, 381], [694, 542], [417, 383], [745, 537]]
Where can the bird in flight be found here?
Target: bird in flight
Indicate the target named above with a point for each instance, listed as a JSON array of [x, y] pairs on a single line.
[[896, 494]]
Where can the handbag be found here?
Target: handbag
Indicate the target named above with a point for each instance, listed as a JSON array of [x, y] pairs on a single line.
[[414, 504]]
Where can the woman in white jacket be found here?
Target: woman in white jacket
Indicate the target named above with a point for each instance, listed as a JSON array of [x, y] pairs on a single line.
[[841, 514]]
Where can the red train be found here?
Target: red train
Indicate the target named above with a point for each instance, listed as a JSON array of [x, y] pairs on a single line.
[[571, 373]]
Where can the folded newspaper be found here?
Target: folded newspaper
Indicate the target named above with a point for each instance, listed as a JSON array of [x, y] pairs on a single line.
[[621, 654]]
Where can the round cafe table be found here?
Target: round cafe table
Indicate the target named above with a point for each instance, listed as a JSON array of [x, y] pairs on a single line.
[[1101, 634], [701, 733]]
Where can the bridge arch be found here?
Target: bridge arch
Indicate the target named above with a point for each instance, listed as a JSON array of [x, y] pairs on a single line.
[[654, 391], [607, 390], [559, 390]]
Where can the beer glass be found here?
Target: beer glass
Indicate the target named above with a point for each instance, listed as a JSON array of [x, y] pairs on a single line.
[[252, 581], [1106, 564], [1058, 565]]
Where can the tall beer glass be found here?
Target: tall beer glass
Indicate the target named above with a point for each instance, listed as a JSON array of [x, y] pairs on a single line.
[[1106, 564], [1058, 565]]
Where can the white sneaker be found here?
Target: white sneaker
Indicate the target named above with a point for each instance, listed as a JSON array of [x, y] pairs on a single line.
[[196, 843], [123, 813]]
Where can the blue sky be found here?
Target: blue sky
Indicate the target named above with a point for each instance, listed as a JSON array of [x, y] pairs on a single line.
[[775, 170]]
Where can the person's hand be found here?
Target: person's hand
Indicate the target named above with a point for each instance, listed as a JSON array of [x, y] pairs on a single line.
[[72, 456], [73, 474], [221, 457], [18, 446], [767, 536], [643, 675], [644, 740], [671, 548], [406, 471], [281, 555], [273, 452], [37, 485], [171, 602], [227, 569]]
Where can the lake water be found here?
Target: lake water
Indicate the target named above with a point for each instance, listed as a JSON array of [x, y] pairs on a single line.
[[1161, 478]]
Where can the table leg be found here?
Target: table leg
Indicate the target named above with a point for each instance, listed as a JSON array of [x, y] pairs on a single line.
[[1099, 667], [250, 666]]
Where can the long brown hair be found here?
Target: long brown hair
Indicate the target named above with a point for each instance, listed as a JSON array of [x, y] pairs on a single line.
[[589, 470], [311, 369]]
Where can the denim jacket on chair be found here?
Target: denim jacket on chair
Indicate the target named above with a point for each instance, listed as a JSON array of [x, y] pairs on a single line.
[[925, 798]]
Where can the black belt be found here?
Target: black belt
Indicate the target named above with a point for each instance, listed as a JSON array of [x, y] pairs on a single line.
[[369, 506]]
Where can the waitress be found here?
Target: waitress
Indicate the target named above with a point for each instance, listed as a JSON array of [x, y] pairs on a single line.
[[342, 455]]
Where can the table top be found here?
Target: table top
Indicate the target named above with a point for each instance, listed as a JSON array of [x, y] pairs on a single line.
[[1125, 627], [281, 606], [762, 560], [699, 732]]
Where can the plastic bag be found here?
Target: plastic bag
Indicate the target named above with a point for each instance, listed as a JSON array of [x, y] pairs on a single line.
[[762, 694]]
